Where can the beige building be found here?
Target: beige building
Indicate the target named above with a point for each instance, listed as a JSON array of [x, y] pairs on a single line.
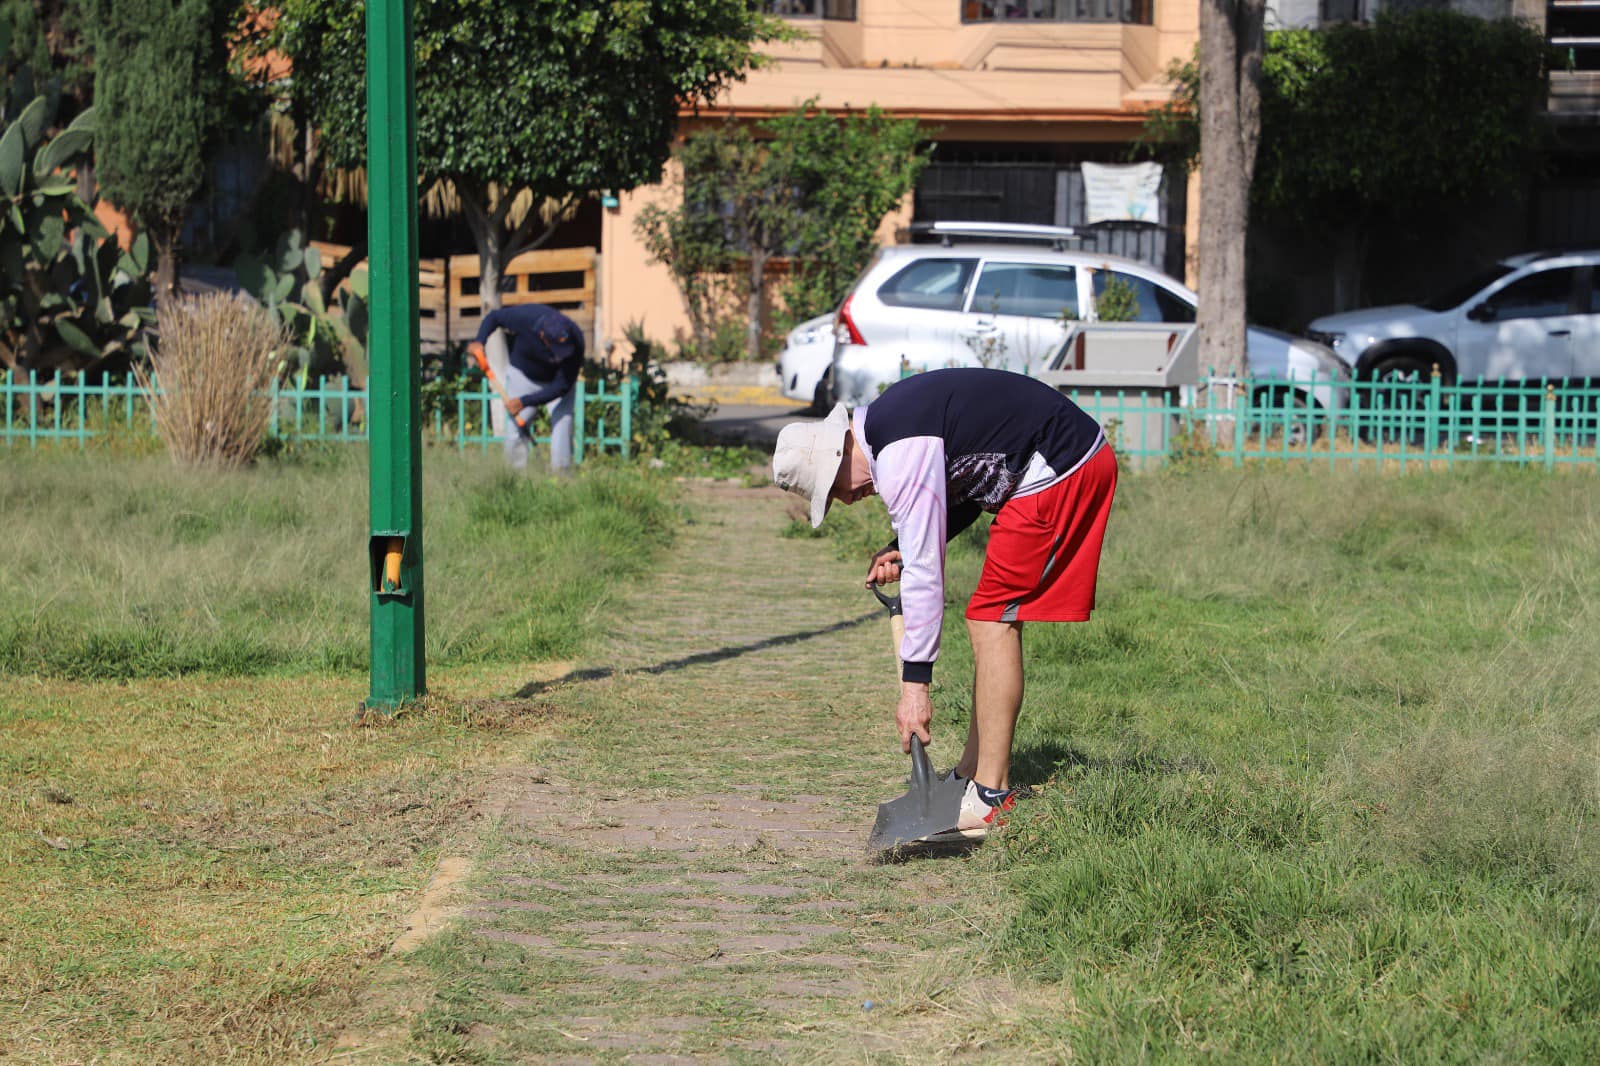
[[1016, 96]]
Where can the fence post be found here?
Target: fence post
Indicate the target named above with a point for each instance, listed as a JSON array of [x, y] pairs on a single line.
[[1237, 401], [1431, 421], [1549, 427], [578, 431], [81, 390], [630, 389]]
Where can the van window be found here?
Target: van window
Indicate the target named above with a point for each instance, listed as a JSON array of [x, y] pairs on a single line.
[[1546, 294], [932, 284], [1151, 302], [1030, 289]]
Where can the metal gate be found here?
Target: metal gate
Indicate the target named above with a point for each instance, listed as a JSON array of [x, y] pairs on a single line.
[[1567, 213], [1050, 194], [1161, 246]]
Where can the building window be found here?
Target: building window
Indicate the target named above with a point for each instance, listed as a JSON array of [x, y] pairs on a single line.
[[809, 9], [1137, 12], [1340, 10]]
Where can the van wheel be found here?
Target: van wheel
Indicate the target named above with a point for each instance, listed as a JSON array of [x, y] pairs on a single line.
[[822, 399], [1395, 397], [1287, 417]]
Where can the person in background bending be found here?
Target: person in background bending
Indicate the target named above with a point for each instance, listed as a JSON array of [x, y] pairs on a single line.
[[542, 358]]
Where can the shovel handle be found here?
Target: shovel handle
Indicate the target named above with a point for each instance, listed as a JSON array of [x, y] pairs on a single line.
[[897, 618], [921, 768], [488, 371]]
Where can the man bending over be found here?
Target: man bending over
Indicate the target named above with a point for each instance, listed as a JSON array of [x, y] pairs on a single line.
[[940, 448]]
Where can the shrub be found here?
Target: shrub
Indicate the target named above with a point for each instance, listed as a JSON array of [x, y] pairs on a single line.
[[208, 378]]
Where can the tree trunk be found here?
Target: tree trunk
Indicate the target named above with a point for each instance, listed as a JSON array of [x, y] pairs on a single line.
[[308, 177], [752, 330], [1231, 44], [491, 249], [489, 235], [166, 242]]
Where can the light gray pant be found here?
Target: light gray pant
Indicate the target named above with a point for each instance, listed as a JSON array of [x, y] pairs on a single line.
[[559, 411]]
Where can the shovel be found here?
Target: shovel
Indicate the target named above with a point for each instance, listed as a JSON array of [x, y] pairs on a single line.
[[505, 398], [931, 806]]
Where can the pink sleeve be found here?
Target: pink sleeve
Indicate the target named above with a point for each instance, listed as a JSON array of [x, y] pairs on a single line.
[[910, 476]]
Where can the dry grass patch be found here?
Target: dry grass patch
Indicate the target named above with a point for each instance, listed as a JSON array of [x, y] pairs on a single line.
[[199, 869]]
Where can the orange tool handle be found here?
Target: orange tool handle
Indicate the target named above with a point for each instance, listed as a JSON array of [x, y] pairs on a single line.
[[488, 372]]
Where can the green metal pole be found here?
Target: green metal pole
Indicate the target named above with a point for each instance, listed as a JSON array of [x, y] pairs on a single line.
[[394, 387]]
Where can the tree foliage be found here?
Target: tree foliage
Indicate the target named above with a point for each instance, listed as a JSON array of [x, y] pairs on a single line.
[[164, 98], [851, 170], [1412, 115], [44, 42], [808, 185], [555, 99], [1420, 110]]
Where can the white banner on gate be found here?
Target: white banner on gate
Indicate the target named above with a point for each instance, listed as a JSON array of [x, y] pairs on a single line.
[[1122, 192]]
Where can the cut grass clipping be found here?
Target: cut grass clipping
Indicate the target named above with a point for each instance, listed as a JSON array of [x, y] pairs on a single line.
[[1319, 781]]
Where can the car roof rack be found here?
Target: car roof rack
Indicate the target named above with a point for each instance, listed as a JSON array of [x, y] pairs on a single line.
[[947, 233]]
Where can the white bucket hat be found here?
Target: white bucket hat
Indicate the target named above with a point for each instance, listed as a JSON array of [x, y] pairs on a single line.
[[807, 459]]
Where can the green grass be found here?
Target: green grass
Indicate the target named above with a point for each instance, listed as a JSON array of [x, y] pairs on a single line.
[[200, 849], [127, 567], [1319, 782]]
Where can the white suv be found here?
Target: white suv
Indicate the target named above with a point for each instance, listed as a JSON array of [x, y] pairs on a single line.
[[1532, 316], [1006, 304]]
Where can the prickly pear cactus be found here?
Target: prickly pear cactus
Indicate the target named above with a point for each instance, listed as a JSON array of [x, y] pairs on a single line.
[[69, 295], [287, 281]]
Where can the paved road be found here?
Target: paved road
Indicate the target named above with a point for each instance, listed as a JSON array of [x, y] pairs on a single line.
[[754, 424]]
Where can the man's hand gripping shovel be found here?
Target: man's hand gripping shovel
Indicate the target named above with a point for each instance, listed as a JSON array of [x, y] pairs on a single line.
[[523, 416], [932, 806]]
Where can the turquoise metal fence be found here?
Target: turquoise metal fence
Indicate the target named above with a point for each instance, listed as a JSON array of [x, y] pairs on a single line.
[[1428, 424], [67, 409], [1402, 426]]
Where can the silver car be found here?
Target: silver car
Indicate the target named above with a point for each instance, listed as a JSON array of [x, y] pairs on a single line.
[[1528, 317], [1003, 303], [805, 365]]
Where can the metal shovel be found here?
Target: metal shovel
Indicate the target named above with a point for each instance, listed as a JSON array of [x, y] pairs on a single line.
[[931, 806]]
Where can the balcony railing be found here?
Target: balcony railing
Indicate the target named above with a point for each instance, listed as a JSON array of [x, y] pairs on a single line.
[[844, 10], [1133, 12]]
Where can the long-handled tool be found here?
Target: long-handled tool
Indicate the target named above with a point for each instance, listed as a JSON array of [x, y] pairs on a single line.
[[932, 805], [494, 379]]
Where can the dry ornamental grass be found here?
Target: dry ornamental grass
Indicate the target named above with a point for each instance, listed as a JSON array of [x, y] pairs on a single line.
[[208, 379]]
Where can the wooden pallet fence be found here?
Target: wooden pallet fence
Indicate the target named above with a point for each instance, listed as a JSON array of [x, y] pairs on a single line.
[[450, 306]]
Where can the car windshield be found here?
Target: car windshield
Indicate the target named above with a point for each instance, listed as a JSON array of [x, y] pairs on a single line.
[[1460, 293]]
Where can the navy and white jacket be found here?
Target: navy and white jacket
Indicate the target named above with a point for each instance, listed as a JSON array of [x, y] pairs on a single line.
[[946, 445], [543, 343]]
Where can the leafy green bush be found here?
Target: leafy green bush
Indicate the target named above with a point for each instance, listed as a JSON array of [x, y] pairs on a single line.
[[812, 192]]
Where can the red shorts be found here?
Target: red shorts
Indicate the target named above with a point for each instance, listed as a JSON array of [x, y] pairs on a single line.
[[1044, 549]]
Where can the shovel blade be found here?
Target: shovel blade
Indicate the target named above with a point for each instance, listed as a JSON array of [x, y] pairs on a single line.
[[931, 806]]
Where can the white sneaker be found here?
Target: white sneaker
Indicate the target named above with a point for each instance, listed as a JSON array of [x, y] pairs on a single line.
[[977, 817]]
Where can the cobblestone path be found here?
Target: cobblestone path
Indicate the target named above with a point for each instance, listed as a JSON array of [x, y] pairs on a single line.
[[683, 876]]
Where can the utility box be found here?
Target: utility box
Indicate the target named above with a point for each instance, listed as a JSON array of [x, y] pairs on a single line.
[[1128, 376]]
